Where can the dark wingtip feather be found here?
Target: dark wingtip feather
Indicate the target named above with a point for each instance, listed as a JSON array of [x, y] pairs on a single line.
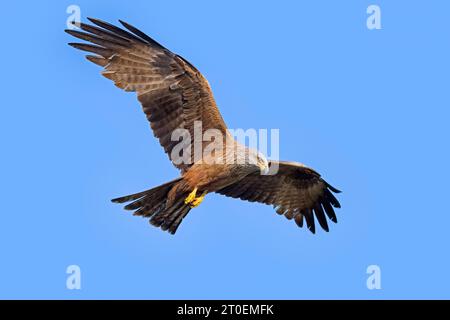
[[337, 204], [72, 32], [120, 200], [332, 199], [329, 211], [309, 217], [329, 186], [115, 30], [139, 33], [95, 20], [100, 61], [79, 46], [299, 220], [104, 52], [320, 215]]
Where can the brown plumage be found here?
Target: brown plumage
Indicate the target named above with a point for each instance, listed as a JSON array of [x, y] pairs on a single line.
[[175, 95]]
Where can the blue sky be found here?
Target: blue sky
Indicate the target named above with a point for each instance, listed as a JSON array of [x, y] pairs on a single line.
[[368, 109]]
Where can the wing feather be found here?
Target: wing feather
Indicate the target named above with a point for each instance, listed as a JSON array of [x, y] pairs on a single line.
[[172, 92], [295, 191]]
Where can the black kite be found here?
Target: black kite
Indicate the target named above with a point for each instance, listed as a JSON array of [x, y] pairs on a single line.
[[174, 95]]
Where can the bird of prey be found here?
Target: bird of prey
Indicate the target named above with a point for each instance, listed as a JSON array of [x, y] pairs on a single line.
[[175, 95]]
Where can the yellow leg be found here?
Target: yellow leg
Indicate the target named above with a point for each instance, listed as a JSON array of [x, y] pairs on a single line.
[[198, 200], [191, 196]]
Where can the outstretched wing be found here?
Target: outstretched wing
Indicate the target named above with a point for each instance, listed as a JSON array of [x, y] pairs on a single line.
[[296, 191], [173, 93]]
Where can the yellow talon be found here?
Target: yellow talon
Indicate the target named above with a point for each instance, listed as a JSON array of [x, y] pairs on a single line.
[[198, 200], [191, 196]]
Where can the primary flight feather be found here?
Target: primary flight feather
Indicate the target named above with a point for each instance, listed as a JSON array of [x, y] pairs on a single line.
[[175, 96]]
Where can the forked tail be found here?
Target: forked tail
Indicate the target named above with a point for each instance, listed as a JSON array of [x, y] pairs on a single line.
[[153, 204]]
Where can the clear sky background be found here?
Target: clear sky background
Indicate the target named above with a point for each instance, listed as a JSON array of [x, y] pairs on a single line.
[[368, 109]]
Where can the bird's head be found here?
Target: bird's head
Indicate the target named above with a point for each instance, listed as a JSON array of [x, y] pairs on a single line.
[[263, 164], [259, 160]]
